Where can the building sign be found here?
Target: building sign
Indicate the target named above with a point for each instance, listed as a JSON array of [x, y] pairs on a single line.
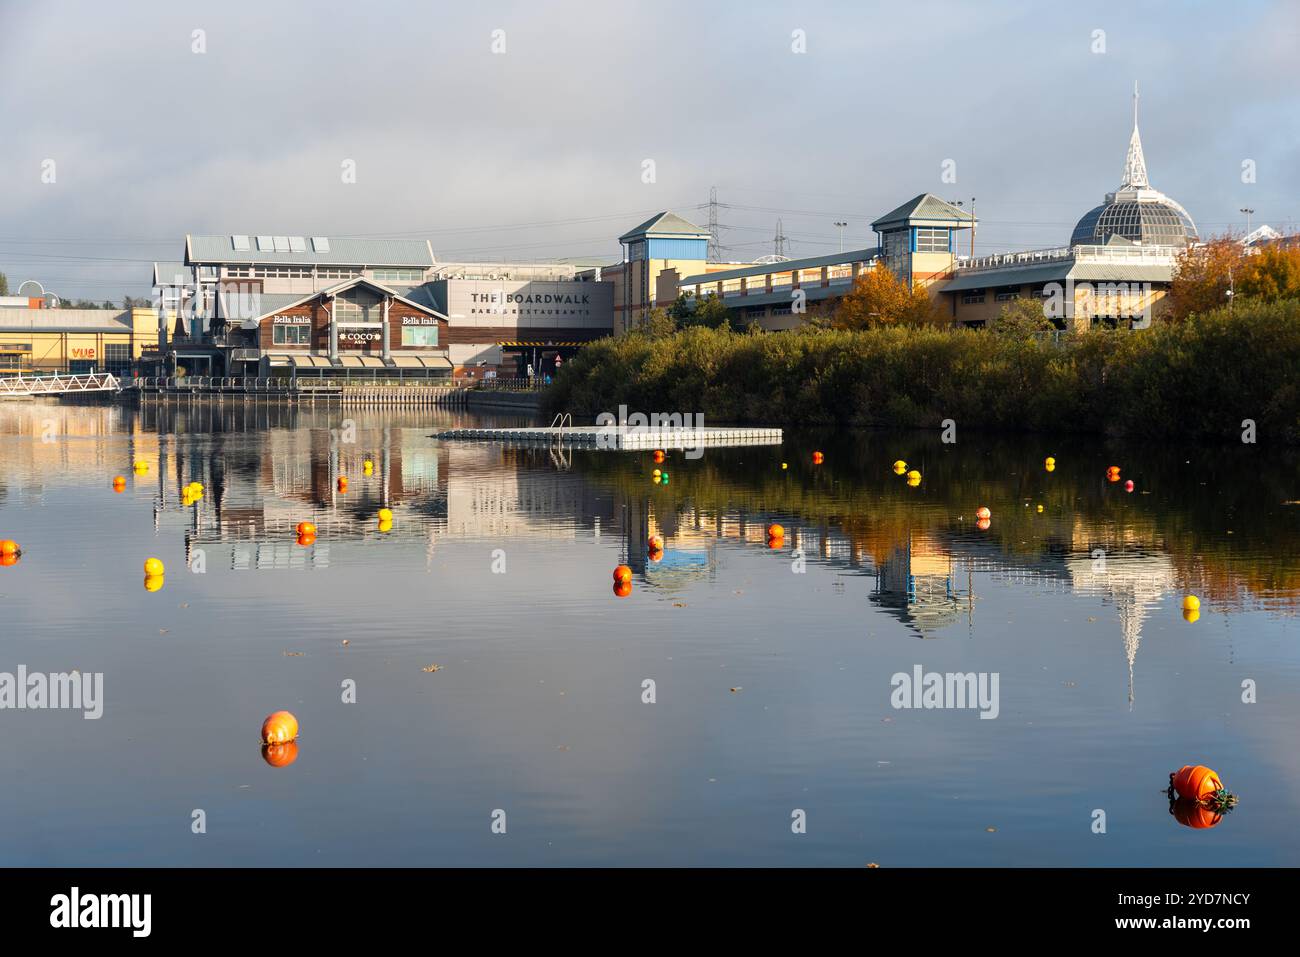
[[296, 320], [572, 299], [419, 321], [83, 353], [351, 336]]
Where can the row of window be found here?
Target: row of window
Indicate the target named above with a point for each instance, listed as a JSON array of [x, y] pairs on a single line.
[[321, 272]]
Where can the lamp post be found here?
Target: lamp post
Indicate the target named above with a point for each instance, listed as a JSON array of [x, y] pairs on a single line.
[[1249, 213], [841, 227]]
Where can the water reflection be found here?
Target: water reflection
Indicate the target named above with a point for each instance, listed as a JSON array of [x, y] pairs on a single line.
[[871, 575]]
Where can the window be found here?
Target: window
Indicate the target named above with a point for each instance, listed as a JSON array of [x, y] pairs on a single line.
[[972, 296], [783, 310], [896, 251], [397, 275], [239, 272], [1007, 295], [358, 305], [291, 335], [282, 272], [420, 335], [931, 240], [117, 356], [335, 272]]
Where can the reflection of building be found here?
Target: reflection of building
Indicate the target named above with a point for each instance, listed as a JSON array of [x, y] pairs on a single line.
[[1133, 582], [914, 581]]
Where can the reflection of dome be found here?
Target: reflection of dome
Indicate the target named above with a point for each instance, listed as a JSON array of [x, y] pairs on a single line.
[[1135, 212]]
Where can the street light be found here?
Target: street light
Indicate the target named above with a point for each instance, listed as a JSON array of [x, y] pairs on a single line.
[[1249, 213], [841, 226]]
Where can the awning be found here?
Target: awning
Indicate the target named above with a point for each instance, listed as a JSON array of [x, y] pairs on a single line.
[[307, 361], [436, 362], [350, 362], [279, 358], [372, 362], [407, 362]]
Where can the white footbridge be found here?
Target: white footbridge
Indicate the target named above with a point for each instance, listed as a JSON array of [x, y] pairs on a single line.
[[59, 384]]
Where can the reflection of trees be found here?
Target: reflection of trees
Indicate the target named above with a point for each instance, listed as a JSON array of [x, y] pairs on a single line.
[[1198, 496]]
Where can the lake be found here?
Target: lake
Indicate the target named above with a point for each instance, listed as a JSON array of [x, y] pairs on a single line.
[[738, 707]]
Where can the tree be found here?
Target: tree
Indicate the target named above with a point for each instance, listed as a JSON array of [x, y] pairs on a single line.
[[707, 311], [1271, 273], [1202, 277], [656, 324], [4, 284], [879, 297], [1020, 318]]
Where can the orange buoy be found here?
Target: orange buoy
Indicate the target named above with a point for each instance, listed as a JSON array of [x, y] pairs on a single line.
[[775, 542], [279, 727], [7, 560], [622, 574], [655, 543], [8, 547], [983, 524], [280, 755], [307, 539], [306, 528], [623, 589], [343, 483], [655, 554], [659, 455], [983, 512], [818, 458], [119, 483], [1196, 782], [775, 531]]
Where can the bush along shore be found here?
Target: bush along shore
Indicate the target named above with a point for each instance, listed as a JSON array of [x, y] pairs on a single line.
[[1200, 378]]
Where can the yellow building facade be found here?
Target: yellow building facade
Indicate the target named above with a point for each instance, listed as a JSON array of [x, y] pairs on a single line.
[[75, 341]]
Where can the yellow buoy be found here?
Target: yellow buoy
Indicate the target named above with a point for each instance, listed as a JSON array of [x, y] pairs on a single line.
[[1040, 508], [1190, 615], [141, 466], [153, 566], [656, 473], [785, 465], [385, 514], [153, 582], [1049, 462], [900, 466], [1191, 603], [385, 525], [914, 474]]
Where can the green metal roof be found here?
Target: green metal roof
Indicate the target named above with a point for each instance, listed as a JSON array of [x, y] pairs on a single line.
[[666, 223], [923, 209]]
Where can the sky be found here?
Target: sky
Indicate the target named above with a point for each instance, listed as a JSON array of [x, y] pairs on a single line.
[[537, 131]]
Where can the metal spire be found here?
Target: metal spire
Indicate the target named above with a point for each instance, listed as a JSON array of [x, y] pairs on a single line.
[[1135, 167]]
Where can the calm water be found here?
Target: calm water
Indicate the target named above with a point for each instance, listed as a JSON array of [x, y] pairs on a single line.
[[772, 686]]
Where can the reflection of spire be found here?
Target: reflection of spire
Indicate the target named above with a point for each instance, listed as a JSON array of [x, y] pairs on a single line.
[[1134, 583], [1135, 167]]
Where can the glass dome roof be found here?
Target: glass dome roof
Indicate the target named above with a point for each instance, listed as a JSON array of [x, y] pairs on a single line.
[[1151, 222]]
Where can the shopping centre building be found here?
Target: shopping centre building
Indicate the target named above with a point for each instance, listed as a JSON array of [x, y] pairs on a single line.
[[358, 307]]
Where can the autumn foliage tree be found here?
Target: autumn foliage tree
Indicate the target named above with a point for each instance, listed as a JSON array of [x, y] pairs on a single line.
[[879, 297], [1204, 274]]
